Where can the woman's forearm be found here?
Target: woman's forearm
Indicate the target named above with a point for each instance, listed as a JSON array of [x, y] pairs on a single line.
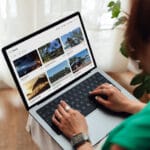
[[134, 106], [85, 146]]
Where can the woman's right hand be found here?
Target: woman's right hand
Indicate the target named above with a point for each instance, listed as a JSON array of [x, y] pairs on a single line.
[[116, 101]]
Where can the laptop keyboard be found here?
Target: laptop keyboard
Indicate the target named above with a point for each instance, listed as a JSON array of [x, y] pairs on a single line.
[[77, 97]]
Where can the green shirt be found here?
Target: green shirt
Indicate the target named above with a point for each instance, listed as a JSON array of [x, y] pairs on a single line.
[[133, 133]]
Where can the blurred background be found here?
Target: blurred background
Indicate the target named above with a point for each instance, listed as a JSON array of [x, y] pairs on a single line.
[[19, 18]]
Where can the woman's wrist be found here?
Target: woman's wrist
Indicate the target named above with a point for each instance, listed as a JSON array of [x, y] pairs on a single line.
[[87, 145], [134, 106], [79, 139]]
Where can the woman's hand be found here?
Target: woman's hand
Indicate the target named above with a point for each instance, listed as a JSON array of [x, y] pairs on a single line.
[[116, 100], [69, 121]]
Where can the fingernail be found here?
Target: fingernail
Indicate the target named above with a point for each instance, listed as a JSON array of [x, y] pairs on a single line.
[[90, 92], [96, 97]]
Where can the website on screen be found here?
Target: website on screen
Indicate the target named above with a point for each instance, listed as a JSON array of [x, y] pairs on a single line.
[[51, 59]]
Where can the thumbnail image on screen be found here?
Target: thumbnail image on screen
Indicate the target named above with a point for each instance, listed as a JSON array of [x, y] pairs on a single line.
[[80, 60], [27, 63], [72, 38], [36, 86], [51, 50], [58, 71]]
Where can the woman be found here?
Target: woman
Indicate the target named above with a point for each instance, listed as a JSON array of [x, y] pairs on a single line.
[[134, 132]]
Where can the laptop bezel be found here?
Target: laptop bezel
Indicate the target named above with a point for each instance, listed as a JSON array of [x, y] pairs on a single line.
[[4, 51]]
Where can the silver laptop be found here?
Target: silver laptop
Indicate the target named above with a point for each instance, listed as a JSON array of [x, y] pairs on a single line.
[[57, 63]]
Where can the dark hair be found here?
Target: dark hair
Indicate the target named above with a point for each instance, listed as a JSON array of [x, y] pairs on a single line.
[[138, 27]]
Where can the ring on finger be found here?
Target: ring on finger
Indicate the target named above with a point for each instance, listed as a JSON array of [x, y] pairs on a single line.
[[67, 108], [110, 85]]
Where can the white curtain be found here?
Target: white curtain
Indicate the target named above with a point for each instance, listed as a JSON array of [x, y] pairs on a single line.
[[21, 17]]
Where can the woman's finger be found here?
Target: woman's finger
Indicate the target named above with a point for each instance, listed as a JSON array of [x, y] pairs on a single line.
[[62, 110], [55, 121], [65, 106], [106, 92], [58, 115], [101, 101], [103, 86]]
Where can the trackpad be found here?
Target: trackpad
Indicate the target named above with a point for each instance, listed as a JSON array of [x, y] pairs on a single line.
[[100, 124]]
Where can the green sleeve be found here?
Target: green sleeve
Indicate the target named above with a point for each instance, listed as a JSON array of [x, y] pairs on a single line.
[[133, 133]]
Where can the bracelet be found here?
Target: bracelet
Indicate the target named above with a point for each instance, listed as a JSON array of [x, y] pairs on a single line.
[[79, 139]]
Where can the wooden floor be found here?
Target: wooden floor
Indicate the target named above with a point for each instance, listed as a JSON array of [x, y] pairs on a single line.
[[13, 118], [13, 135]]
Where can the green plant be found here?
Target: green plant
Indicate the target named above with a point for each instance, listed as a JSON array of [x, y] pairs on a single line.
[[141, 80]]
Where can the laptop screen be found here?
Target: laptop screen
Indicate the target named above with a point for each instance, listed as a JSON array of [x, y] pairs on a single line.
[[46, 61]]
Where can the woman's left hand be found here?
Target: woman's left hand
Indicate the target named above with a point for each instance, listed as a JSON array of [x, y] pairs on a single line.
[[69, 121]]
